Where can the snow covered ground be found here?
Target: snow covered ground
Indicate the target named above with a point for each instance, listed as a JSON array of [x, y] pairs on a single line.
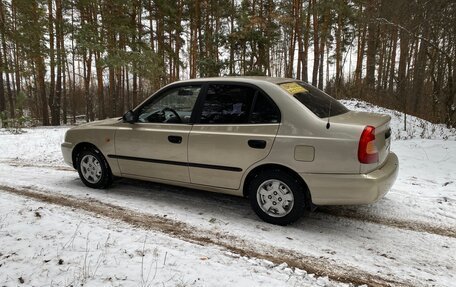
[[46, 245], [407, 238]]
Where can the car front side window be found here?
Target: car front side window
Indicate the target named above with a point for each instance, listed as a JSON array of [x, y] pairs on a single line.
[[174, 106]]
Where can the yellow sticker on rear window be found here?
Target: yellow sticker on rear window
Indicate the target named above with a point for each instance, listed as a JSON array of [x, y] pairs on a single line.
[[293, 88]]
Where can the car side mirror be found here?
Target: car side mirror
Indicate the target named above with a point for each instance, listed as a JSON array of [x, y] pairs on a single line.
[[129, 117]]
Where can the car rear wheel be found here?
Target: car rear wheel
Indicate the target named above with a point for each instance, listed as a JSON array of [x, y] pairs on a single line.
[[277, 197], [93, 169]]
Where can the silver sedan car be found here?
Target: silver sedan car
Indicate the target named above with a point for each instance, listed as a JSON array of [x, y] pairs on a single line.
[[280, 142]]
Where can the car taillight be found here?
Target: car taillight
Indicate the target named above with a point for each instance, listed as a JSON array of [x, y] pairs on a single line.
[[367, 151]]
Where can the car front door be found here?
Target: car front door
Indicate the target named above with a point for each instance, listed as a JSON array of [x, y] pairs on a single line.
[[155, 146], [236, 127]]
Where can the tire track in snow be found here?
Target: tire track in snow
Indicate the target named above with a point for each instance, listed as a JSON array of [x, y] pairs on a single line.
[[392, 222], [19, 163], [186, 232]]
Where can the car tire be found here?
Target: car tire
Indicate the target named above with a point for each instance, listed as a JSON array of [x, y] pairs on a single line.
[[277, 196], [93, 168]]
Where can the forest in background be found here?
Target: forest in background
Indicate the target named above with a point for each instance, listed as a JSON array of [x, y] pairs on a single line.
[[63, 58]]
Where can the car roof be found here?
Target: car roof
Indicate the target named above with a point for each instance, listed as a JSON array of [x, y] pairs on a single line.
[[246, 79]]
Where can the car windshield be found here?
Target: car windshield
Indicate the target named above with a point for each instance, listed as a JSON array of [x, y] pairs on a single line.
[[317, 101]]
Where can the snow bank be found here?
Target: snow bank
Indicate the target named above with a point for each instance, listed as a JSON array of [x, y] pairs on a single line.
[[34, 145], [417, 128]]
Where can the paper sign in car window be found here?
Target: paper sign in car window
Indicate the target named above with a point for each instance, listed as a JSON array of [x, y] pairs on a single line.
[[293, 88]]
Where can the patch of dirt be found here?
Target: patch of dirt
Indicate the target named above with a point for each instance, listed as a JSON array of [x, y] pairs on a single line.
[[186, 232], [392, 222]]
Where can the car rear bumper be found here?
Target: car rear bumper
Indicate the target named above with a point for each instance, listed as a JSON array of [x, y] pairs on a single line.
[[335, 189], [67, 149]]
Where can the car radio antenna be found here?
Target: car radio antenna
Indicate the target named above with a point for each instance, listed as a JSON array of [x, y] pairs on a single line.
[[329, 115]]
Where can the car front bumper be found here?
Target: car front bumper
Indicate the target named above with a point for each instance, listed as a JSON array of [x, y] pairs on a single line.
[[67, 149], [342, 189]]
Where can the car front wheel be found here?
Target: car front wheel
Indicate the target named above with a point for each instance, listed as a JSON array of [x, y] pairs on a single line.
[[93, 169], [277, 197]]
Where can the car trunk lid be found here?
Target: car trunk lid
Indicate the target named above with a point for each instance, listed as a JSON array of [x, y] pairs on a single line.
[[382, 132]]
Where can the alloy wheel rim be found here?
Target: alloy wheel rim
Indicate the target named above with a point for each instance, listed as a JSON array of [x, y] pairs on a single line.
[[91, 169], [275, 198]]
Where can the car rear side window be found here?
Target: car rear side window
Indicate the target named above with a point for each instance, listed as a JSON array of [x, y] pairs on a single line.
[[227, 104], [264, 111], [317, 101], [237, 104]]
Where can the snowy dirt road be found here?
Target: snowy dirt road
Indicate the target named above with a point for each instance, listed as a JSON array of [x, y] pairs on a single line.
[[186, 232], [406, 239]]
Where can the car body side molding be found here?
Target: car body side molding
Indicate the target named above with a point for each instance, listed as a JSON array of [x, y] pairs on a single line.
[[189, 164]]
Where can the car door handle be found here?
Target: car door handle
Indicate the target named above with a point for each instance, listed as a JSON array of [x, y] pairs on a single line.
[[258, 144], [175, 139]]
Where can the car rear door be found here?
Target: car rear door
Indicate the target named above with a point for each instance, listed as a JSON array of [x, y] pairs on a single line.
[[236, 127], [156, 145]]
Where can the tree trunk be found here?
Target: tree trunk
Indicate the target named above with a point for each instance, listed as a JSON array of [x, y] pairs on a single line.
[[9, 92], [323, 39], [151, 26], [101, 114], [87, 75], [304, 73], [60, 63], [450, 102], [73, 69], [40, 74], [194, 39], [136, 93], [231, 40], [360, 55], [51, 61], [392, 71], [387, 64], [2, 89], [64, 90], [17, 66], [316, 42], [119, 104], [382, 45], [161, 43], [320, 70], [299, 40], [339, 44], [371, 46], [402, 76], [419, 73], [294, 30]]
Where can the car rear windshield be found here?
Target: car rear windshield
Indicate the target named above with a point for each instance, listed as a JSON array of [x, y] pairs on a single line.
[[317, 101]]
